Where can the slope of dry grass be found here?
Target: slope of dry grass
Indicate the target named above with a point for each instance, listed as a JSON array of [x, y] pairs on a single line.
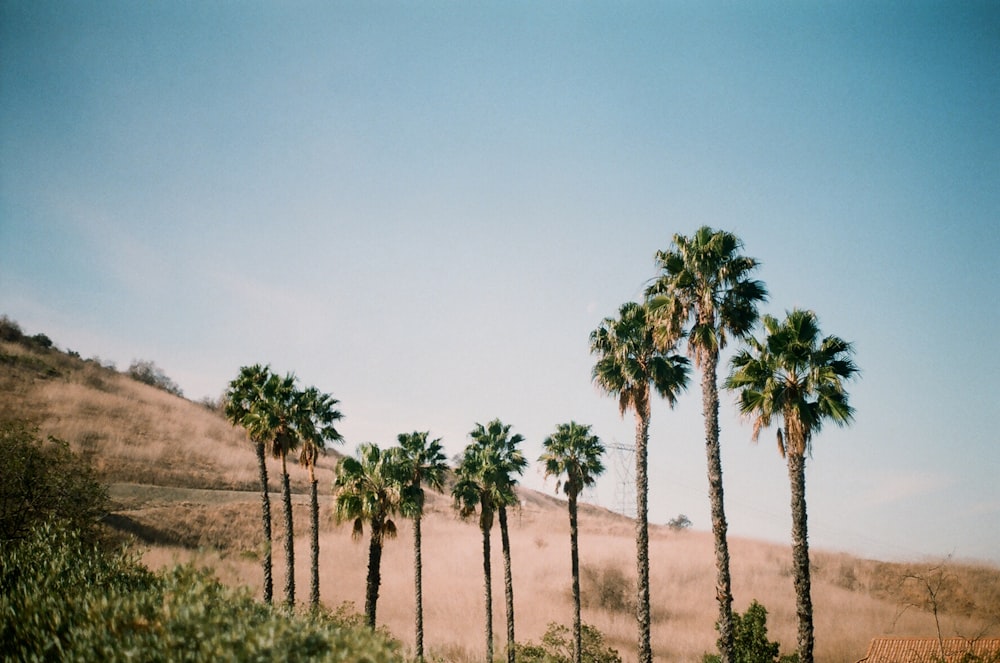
[[185, 482]]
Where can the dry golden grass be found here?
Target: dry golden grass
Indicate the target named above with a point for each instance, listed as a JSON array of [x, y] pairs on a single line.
[[185, 482], [683, 581]]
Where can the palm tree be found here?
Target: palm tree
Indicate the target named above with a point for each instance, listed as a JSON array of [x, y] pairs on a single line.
[[425, 464], [470, 493], [504, 461], [243, 394], [794, 375], [628, 362], [315, 416], [272, 418], [705, 281], [574, 452], [368, 490]]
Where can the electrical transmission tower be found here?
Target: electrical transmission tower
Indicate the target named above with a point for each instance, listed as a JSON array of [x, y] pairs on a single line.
[[623, 459]]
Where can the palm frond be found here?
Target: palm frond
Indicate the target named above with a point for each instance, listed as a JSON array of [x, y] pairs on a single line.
[[793, 375]]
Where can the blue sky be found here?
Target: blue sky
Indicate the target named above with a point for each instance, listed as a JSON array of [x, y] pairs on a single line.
[[425, 208]]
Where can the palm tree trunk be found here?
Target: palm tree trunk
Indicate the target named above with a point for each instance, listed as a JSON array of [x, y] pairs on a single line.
[[265, 506], [374, 575], [800, 555], [489, 594], [575, 568], [642, 531], [508, 583], [723, 588], [314, 539], [418, 591], [286, 491]]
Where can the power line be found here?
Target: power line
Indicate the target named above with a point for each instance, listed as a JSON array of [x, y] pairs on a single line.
[[623, 459]]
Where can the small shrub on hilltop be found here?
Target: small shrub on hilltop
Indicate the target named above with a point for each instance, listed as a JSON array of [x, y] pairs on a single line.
[[751, 643], [557, 647], [680, 523], [148, 372], [64, 599]]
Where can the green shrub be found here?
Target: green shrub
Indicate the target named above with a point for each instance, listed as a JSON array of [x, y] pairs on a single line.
[[557, 647], [64, 599], [43, 480], [751, 643]]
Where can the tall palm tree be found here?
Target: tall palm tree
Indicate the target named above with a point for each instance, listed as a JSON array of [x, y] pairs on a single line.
[[705, 286], [243, 394], [572, 451], [368, 490], [424, 465], [471, 492], [504, 461], [797, 377], [628, 362], [273, 417], [315, 416]]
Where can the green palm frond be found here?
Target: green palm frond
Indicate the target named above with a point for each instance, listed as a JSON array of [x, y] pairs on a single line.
[[368, 488], [423, 463], [794, 375], [629, 360], [711, 288], [573, 451]]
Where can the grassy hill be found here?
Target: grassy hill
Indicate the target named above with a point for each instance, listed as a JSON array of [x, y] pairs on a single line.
[[183, 483]]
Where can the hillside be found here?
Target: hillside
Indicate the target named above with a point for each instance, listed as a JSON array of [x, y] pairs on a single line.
[[183, 482]]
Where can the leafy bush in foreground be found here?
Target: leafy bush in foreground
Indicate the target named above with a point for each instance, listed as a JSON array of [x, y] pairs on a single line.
[[557, 647], [42, 480], [64, 599]]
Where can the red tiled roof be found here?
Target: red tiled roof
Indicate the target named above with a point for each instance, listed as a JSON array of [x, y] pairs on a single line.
[[928, 650]]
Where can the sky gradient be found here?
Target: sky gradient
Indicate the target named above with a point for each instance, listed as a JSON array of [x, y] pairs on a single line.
[[425, 209]]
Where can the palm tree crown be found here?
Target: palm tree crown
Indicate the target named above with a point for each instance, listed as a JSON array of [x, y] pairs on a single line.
[[704, 280], [794, 375], [272, 415], [314, 424], [502, 459], [628, 361], [425, 465], [574, 452], [369, 490]]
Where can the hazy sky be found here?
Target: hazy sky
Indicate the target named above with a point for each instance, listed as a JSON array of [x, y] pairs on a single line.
[[424, 208]]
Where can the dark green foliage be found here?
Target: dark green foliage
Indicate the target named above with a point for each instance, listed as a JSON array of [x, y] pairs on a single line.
[[751, 643], [42, 480], [557, 647], [10, 330], [148, 372], [63, 599], [42, 341]]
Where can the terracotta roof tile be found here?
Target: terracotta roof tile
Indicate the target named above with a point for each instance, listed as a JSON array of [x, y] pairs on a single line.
[[928, 650]]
